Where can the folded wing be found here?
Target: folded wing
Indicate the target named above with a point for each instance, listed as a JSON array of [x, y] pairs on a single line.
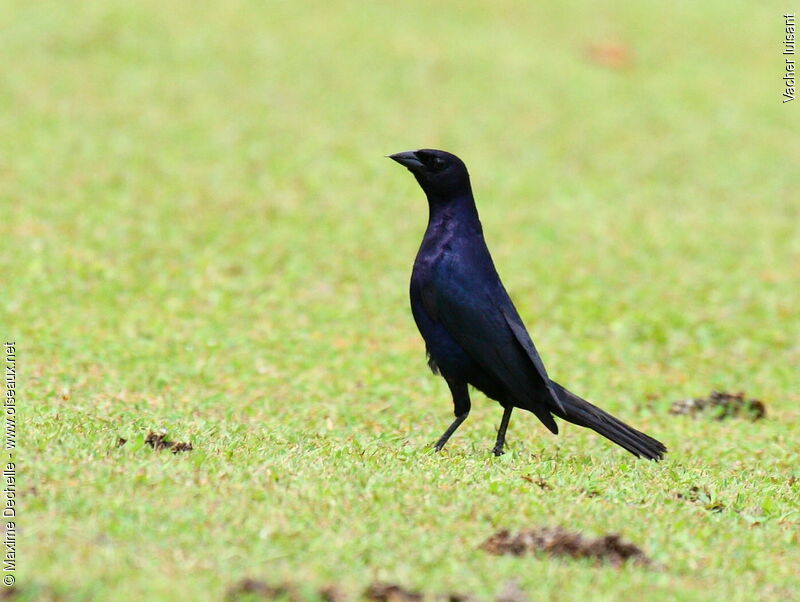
[[485, 323]]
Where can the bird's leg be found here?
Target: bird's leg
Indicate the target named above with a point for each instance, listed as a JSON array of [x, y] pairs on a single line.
[[501, 432], [450, 430], [461, 405]]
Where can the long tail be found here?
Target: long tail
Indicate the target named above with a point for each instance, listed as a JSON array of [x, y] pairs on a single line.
[[581, 412]]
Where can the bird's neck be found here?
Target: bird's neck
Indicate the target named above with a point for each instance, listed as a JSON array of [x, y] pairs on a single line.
[[455, 210]]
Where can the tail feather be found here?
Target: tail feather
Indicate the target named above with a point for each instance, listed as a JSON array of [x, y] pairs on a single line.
[[581, 412]]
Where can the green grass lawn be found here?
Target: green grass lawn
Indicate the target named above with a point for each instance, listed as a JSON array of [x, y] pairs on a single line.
[[201, 234]]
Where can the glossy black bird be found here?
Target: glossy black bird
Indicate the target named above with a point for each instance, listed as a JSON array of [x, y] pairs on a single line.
[[472, 331]]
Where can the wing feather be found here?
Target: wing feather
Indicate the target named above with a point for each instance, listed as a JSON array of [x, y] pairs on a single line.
[[487, 327]]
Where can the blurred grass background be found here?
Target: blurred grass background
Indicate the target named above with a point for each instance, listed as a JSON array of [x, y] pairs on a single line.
[[201, 234]]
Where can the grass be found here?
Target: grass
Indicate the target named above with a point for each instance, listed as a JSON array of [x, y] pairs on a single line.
[[201, 234]]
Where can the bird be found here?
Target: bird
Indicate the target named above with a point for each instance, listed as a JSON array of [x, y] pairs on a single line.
[[473, 334]]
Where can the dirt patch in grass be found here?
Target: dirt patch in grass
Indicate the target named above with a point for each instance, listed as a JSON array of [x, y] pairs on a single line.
[[121, 441], [721, 405], [391, 592], [255, 588], [458, 598], [32, 591], [696, 495], [158, 441], [539, 482], [559, 542], [259, 589], [379, 591], [331, 593], [29, 492]]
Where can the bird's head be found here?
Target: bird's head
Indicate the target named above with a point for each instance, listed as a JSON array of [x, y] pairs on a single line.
[[440, 174]]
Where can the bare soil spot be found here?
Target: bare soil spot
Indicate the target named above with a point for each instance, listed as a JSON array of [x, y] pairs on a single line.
[[391, 592], [458, 598], [255, 588], [696, 495], [539, 482], [260, 589], [29, 492], [379, 591], [331, 593], [121, 441], [559, 542], [721, 405], [158, 441]]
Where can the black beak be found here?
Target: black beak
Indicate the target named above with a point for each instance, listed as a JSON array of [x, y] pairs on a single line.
[[408, 159]]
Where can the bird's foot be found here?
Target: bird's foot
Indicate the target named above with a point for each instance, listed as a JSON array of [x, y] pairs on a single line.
[[498, 451]]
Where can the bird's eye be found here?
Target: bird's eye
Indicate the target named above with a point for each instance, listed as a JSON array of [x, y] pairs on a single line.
[[438, 164]]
